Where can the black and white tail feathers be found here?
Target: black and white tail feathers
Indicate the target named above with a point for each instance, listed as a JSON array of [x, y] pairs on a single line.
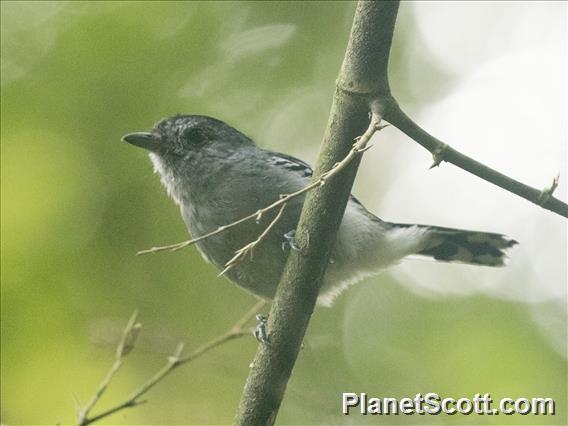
[[460, 246]]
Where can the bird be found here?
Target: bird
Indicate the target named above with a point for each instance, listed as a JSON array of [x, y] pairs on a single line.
[[218, 175]]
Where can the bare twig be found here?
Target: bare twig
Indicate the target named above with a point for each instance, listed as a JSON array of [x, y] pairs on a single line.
[[126, 344], [176, 360], [241, 253], [443, 152], [359, 146]]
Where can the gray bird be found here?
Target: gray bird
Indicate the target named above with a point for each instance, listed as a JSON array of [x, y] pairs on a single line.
[[218, 175]]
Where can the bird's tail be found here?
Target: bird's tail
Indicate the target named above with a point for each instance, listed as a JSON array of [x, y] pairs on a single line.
[[460, 246]]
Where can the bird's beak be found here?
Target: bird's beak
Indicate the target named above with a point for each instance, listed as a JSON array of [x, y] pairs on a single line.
[[143, 140]]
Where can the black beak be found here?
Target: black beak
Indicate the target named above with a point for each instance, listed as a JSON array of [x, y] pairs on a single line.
[[143, 140]]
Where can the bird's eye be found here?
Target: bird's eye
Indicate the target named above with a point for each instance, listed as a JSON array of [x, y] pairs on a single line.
[[194, 135]]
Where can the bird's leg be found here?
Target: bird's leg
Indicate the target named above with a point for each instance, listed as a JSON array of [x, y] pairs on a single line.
[[289, 242], [260, 330]]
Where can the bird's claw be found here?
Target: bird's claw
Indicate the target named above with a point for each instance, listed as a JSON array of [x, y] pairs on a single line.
[[290, 242], [260, 330]]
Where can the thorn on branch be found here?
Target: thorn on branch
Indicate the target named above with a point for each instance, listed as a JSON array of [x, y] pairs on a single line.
[[438, 155], [547, 192]]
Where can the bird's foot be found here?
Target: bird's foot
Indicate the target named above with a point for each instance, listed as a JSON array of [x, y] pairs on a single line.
[[289, 242], [260, 330]]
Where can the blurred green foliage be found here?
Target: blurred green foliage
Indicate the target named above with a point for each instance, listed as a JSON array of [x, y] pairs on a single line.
[[77, 204]]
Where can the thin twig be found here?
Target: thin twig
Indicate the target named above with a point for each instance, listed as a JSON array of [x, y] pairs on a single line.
[[359, 147], [126, 344], [241, 253], [176, 360], [443, 152]]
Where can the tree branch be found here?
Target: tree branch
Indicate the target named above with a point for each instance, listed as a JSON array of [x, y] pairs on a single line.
[[176, 360], [125, 346], [442, 152], [362, 77]]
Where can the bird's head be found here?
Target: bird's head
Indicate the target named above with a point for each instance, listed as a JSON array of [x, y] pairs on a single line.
[[187, 149], [184, 137]]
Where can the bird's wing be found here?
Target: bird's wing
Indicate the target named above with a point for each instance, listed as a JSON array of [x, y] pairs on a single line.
[[304, 169], [290, 163]]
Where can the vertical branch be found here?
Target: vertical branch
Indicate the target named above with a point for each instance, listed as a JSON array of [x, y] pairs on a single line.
[[362, 80]]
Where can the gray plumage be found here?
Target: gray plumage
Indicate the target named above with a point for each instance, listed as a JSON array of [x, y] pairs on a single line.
[[218, 175]]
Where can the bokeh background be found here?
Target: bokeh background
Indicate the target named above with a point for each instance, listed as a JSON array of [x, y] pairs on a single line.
[[488, 78]]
